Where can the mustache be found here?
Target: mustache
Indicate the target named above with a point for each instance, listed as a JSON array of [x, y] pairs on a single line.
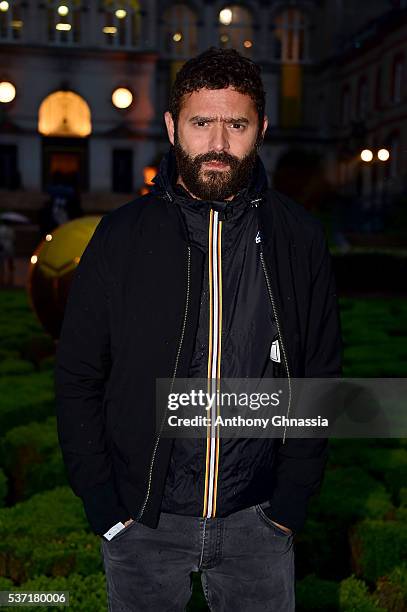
[[222, 157]]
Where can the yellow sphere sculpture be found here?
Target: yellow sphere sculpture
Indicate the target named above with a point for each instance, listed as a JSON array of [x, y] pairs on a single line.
[[52, 267]]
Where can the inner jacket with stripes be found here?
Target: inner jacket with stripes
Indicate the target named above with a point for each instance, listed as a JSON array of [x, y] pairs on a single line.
[[219, 475]]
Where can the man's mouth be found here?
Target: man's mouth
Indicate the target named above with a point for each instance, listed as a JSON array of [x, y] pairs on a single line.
[[216, 164]]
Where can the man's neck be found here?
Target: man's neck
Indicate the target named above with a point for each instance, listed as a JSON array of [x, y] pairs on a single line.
[[181, 182]]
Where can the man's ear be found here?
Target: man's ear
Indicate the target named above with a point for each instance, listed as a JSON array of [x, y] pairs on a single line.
[[169, 122], [265, 124]]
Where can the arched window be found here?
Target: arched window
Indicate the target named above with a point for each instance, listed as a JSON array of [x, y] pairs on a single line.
[[64, 113], [179, 32], [11, 22], [397, 79], [291, 36], [64, 21], [236, 29], [122, 23], [346, 106], [362, 98]]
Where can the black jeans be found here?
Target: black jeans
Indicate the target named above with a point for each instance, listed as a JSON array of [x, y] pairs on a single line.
[[246, 563]]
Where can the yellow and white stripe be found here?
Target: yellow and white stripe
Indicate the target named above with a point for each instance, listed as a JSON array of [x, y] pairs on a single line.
[[214, 361]]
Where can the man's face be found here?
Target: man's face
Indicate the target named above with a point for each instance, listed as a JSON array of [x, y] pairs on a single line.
[[216, 142]]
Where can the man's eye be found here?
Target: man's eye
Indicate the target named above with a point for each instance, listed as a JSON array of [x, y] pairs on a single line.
[[200, 123], [237, 126]]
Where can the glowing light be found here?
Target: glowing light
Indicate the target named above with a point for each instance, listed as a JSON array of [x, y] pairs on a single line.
[[4, 6], [120, 13], [224, 38], [149, 172], [247, 44], [122, 97], [366, 155], [7, 92], [177, 37], [225, 16], [63, 27], [34, 259], [63, 10], [383, 154], [17, 23], [110, 30], [48, 237]]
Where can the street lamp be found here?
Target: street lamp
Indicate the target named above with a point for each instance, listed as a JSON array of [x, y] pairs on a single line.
[[383, 154], [122, 97], [7, 92], [366, 155]]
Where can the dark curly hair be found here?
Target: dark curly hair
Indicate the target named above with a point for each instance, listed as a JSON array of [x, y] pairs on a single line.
[[218, 69]]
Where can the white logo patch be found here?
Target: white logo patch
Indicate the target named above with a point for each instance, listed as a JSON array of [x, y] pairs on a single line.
[[275, 351]]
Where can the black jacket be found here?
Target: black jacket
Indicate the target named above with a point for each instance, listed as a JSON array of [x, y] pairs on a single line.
[[132, 316]]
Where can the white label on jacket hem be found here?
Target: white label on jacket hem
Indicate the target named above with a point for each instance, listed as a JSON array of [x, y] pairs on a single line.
[[113, 530]]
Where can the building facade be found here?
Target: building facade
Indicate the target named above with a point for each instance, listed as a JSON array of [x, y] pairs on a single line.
[[84, 85]]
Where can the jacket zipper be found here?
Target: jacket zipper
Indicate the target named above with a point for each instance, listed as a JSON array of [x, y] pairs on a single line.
[[172, 383], [273, 304]]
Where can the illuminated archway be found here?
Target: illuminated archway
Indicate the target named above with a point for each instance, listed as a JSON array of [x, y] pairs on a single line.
[[64, 113]]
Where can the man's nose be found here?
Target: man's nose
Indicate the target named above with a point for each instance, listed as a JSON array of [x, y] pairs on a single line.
[[219, 139]]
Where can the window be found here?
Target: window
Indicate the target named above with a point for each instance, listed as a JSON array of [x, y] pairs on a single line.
[[397, 79], [122, 171], [180, 32], [236, 29], [290, 36], [11, 22], [362, 98], [122, 23], [64, 21], [9, 175], [378, 90], [345, 110], [393, 145]]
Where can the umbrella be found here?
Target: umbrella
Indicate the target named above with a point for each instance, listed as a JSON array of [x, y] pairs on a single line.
[[14, 217]]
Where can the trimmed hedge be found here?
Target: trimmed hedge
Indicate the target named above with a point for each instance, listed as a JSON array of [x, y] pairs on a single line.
[[3, 488], [86, 593], [377, 547], [32, 458], [355, 597], [23, 397], [55, 521], [349, 494], [316, 595], [391, 591]]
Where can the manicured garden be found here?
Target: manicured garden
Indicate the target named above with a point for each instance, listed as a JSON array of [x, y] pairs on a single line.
[[352, 554]]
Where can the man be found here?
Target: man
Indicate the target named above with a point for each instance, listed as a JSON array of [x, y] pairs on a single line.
[[212, 275]]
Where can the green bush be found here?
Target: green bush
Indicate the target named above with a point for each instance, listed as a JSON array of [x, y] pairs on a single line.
[[32, 458], [391, 591], [14, 366], [47, 534], [377, 547], [25, 397], [354, 597], [3, 488], [316, 595], [348, 494], [86, 593]]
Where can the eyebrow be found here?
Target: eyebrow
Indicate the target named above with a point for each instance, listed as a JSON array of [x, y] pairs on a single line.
[[225, 120]]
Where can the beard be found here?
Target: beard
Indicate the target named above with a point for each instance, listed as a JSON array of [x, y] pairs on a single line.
[[215, 184]]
